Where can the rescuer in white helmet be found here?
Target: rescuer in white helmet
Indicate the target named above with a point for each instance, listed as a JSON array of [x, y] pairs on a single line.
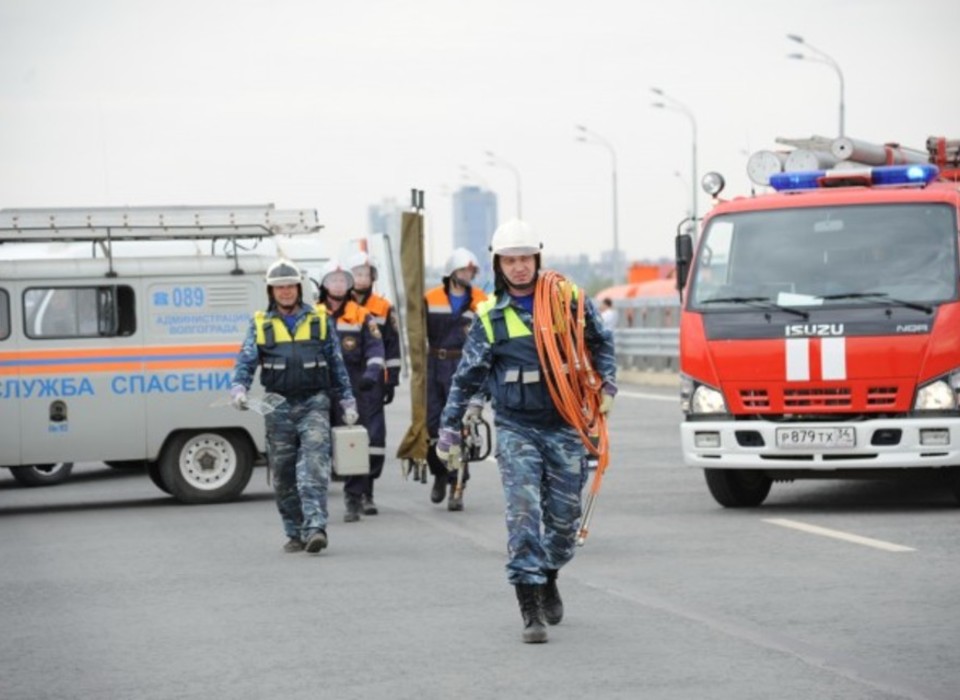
[[541, 457], [451, 308], [292, 344], [362, 350]]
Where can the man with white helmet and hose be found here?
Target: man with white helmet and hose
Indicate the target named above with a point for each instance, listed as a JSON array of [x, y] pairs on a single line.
[[296, 348], [364, 271], [541, 456], [362, 351], [451, 309]]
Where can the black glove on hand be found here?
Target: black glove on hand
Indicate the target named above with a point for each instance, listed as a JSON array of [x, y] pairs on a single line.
[[388, 392], [366, 383]]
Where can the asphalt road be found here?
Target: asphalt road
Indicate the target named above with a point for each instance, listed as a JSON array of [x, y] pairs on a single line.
[[110, 589]]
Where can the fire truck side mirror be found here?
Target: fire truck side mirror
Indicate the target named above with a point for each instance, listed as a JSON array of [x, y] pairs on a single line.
[[684, 256]]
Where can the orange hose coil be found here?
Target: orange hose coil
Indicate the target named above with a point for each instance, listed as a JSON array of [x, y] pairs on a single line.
[[575, 386]]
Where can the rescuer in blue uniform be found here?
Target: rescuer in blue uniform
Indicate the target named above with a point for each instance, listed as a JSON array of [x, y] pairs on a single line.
[[362, 349], [364, 271], [451, 309], [296, 348], [541, 457]]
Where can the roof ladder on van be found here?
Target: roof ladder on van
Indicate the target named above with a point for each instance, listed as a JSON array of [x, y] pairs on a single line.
[[103, 226]]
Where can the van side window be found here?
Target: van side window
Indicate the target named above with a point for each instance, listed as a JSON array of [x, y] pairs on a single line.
[[79, 312], [4, 314]]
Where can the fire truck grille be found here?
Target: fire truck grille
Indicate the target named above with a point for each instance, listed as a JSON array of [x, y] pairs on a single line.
[[755, 398], [835, 397], [881, 396]]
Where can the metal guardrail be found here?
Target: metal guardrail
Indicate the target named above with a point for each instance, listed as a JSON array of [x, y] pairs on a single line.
[[648, 334]]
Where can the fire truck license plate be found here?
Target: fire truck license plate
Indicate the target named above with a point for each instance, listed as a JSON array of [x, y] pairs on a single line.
[[816, 437]]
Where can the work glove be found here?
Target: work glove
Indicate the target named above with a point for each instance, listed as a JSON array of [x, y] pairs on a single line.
[[350, 415], [474, 415], [238, 397], [367, 383], [449, 439], [606, 401], [388, 391]]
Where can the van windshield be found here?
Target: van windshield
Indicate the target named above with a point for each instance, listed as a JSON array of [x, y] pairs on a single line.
[[871, 254]]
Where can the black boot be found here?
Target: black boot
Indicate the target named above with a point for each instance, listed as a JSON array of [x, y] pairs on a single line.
[[552, 603], [455, 501], [531, 608], [369, 507], [353, 509], [439, 490]]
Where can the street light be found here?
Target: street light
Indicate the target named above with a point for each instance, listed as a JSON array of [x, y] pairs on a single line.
[[677, 106], [586, 136], [821, 57], [497, 161], [470, 175]]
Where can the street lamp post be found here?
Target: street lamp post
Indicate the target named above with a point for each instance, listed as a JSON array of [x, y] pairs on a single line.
[[587, 136], [497, 161], [677, 106], [821, 57]]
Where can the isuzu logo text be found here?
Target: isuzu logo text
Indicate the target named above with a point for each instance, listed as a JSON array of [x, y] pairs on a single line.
[[813, 330]]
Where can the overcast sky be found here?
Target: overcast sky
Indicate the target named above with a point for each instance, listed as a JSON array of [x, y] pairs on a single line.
[[337, 105]]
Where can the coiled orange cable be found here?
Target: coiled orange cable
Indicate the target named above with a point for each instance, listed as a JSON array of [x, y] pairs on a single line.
[[575, 386]]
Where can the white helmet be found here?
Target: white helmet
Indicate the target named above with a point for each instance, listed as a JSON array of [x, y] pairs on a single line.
[[359, 259], [460, 258], [283, 272], [515, 237], [333, 266]]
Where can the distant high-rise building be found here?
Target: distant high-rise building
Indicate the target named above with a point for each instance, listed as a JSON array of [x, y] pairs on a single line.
[[474, 221]]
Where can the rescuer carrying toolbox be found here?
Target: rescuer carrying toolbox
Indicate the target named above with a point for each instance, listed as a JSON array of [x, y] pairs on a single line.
[[294, 346], [542, 353]]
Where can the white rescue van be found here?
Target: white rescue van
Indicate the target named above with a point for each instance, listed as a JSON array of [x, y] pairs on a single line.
[[124, 359]]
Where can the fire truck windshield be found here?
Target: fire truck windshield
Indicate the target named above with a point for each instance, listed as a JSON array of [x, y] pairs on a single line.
[[889, 254]]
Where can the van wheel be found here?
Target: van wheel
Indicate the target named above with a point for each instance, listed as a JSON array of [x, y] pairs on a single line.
[[206, 467], [153, 470], [738, 488], [42, 474]]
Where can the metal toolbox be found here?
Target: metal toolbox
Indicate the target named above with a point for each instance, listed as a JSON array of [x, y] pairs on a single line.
[[351, 454]]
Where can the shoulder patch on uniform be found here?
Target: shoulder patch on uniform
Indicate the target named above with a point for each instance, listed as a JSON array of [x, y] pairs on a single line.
[[372, 327]]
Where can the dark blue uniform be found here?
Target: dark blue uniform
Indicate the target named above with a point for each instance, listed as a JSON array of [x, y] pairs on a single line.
[[362, 349], [540, 456], [446, 332], [299, 358]]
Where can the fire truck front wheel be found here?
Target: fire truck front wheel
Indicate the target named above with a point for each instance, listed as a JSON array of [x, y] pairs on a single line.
[[206, 466], [738, 488], [42, 474]]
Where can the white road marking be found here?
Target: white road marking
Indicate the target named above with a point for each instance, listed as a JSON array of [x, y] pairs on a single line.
[[641, 395], [839, 535]]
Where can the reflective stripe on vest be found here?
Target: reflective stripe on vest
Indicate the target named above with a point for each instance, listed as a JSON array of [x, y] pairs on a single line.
[[271, 331]]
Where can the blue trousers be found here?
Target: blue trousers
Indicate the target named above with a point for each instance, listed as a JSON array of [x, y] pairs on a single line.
[[298, 447], [542, 470]]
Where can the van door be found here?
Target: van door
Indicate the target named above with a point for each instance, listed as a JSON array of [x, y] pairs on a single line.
[[9, 377], [79, 346]]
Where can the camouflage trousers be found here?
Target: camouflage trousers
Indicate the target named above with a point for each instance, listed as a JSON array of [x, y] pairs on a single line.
[[298, 448], [542, 470]]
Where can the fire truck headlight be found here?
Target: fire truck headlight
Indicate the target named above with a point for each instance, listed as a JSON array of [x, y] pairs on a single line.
[[936, 396], [707, 400]]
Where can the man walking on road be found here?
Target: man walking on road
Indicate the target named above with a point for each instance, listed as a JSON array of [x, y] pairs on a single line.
[[541, 457], [451, 309], [296, 349], [362, 349]]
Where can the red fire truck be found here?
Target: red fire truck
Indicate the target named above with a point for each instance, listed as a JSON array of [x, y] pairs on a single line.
[[820, 330]]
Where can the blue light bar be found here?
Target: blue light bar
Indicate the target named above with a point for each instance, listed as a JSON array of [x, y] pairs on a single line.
[[919, 174], [799, 180]]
